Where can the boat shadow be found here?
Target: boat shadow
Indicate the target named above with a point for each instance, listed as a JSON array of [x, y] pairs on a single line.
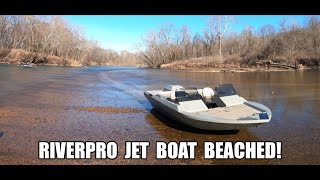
[[179, 126]]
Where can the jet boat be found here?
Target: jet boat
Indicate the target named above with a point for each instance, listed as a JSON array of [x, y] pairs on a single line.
[[208, 109], [26, 65]]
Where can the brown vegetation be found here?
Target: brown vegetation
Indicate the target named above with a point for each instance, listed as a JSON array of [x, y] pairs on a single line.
[[290, 44], [214, 64], [51, 40]]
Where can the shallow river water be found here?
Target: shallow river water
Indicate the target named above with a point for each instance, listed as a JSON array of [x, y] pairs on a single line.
[[107, 104]]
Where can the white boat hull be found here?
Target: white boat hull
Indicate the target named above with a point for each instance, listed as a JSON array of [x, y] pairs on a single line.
[[26, 66]]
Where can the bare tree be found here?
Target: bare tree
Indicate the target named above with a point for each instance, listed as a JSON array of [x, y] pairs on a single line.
[[313, 24], [52, 37], [267, 30], [219, 25], [283, 24], [208, 41]]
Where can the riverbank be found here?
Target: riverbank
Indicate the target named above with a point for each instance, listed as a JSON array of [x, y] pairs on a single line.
[[206, 64], [18, 56], [202, 64]]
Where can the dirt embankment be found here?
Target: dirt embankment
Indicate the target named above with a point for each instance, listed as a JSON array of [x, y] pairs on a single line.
[[17, 56], [212, 64]]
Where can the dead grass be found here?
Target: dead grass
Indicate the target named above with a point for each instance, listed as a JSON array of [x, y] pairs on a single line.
[[203, 63], [233, 63], [17, 56]]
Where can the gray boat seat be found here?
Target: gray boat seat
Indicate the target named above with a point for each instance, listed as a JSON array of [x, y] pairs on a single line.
[[173, 95], [207, 94]]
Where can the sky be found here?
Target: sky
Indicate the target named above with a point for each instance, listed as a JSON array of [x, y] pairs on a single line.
[[124, 32]]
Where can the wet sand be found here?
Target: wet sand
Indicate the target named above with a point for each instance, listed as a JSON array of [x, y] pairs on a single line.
[[96, 104], [107, 109]]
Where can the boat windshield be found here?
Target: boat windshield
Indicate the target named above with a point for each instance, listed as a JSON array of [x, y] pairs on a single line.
[[189, 94], [225, 90]]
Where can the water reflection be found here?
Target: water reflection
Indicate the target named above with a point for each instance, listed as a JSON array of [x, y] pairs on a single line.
[[171, 130], [179, 126]]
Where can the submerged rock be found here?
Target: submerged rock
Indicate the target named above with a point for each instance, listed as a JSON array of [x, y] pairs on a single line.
[[1, 134]]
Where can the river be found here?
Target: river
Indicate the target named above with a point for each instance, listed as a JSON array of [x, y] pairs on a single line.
[[73, 104]]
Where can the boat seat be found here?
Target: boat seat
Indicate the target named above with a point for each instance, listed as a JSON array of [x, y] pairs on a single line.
[[207, 94], [173, 96]]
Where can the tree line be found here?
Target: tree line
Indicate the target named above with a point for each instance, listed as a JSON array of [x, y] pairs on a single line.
[[53, 36], [47, 36], [289, 43]]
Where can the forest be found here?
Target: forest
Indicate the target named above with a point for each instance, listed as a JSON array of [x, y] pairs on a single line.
[[52, 40], [289, 43]]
